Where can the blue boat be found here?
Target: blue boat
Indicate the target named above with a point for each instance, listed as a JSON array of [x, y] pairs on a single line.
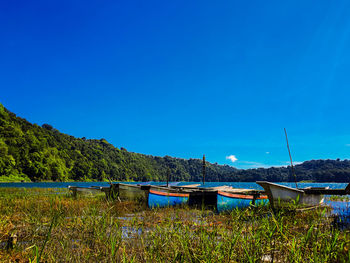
[[228, 201], [165, 197]]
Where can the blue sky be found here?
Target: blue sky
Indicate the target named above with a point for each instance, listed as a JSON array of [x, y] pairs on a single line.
[[184, 78]]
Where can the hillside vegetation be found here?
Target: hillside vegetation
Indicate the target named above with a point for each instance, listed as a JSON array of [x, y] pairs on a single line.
[[42, 153]]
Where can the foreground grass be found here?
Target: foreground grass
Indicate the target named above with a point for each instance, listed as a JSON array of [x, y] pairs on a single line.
[[53, 227]]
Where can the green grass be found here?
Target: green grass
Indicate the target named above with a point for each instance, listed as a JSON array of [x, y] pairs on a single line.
[[59, 228]]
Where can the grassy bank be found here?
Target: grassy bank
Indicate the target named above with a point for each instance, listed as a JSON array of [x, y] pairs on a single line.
[[56, 227], [14, 178]]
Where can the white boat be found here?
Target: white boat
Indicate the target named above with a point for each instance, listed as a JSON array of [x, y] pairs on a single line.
[[280, 194]]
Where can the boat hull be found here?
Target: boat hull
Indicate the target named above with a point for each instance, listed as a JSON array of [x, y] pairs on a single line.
[[165, 198], [85, 191], [134, 193], [229, 201], [280, 195], [128, 192]]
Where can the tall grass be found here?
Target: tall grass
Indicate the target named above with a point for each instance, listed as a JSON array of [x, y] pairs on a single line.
[[57, 228]]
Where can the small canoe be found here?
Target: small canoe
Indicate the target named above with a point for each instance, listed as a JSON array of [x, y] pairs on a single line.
[[129, 192], [227, 201], [86, 191], [280, 194], [165, 197], [187, 186]]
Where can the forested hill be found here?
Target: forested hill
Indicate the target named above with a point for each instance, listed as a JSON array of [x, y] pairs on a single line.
[[42, 153]]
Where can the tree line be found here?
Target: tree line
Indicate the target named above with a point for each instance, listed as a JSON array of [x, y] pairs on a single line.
[[42, 153]]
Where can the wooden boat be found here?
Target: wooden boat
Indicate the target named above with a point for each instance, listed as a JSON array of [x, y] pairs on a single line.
[[86, 191], [187, 186], [158, 196], [239, 198], [131, 192], [280, 194], [310, 196], [226, 198]]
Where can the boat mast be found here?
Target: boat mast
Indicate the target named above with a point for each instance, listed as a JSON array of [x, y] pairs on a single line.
[[291, 162], [167, 177], [203, 169]]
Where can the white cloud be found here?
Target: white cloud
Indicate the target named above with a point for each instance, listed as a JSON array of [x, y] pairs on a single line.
[[232, 158], [267, 152]]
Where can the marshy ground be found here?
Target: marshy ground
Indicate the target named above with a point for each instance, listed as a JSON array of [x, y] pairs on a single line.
[[48, 225]]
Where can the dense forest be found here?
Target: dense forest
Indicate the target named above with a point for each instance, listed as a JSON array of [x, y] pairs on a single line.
[[41, 153]]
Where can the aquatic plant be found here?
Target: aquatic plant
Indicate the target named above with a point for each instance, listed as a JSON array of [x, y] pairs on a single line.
[[52, 226]]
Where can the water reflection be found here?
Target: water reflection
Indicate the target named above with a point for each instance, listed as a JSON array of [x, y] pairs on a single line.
[[340, 210]]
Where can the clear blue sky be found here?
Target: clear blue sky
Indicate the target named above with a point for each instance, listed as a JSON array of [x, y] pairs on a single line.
[[183, 78]]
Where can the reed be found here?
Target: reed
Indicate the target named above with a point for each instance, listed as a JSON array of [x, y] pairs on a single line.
[[53, 227]]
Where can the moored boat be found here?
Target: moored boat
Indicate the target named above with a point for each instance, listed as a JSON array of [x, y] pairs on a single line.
[[166, 196], [186, 186], [229, 200], [280, 194], [86, 191], [131, 192]]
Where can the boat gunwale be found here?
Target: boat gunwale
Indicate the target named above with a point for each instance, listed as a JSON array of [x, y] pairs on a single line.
[[242, 196], [130, 185], [155, 192], [261, 183]]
